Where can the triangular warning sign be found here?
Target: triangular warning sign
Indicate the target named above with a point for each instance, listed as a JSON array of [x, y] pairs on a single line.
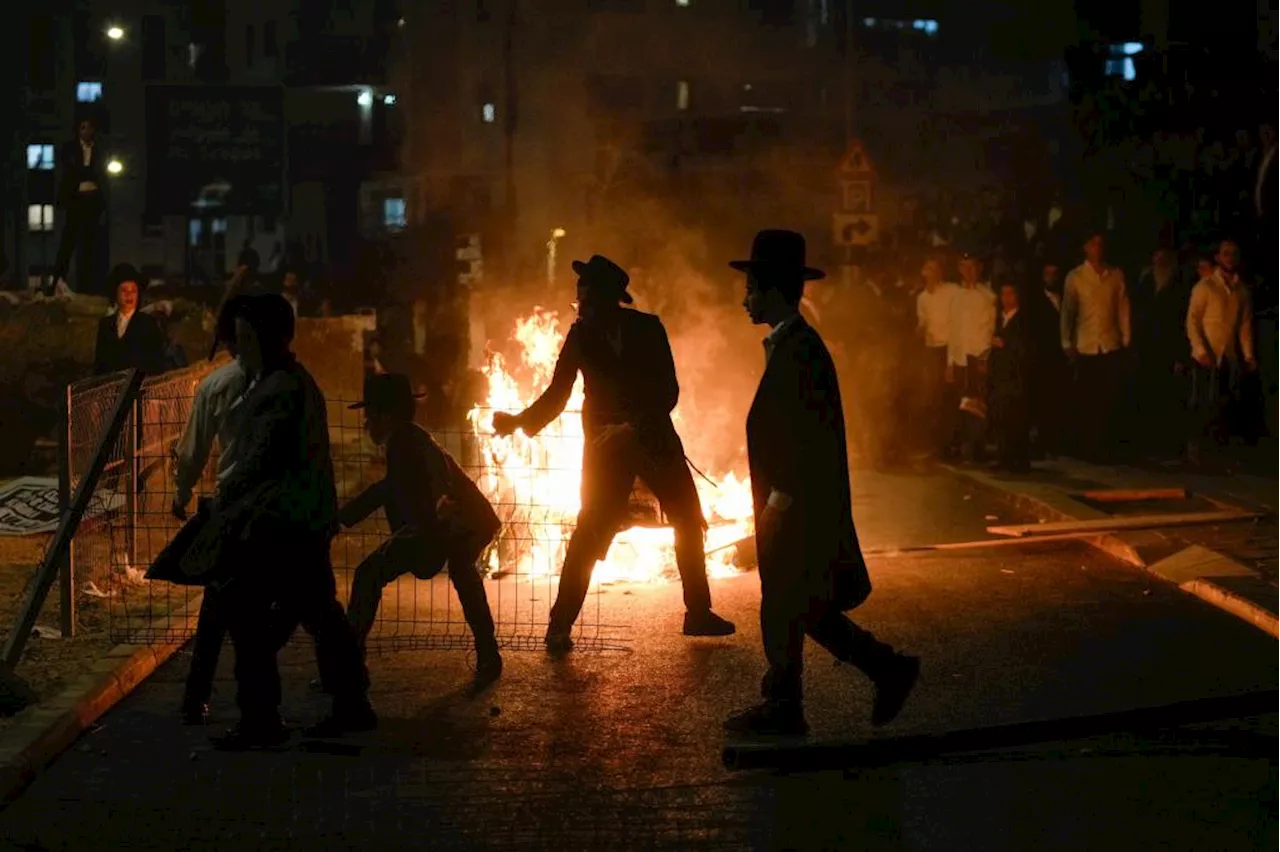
[[856, 161]]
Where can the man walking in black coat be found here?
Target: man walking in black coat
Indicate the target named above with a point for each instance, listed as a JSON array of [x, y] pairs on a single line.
[[265, 549], [82, 195], [630, 389], [811, 569]]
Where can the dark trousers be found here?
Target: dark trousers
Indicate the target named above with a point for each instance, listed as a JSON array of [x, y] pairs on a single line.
[[968, 434], [1047, 401], [936, 409], [1011, 424], [80, 237], [262, 608], [424, 559], [608, 474], [787, 615], [1097, 385], [1215, 401]]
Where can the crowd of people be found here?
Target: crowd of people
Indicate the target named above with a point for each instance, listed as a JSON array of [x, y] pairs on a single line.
[[1075, 357]]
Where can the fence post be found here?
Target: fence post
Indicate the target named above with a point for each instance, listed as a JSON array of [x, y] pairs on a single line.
[[133, 447], [38, 588], [67, 591]]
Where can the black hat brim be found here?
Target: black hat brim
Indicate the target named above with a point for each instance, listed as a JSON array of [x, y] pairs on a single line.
[[580, 268], [808, 273]]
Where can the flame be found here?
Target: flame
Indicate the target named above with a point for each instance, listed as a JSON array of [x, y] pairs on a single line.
[[537, 480]]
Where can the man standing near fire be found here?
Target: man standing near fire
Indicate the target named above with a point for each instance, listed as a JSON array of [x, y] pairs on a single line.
[[811, 568], [630, 389]]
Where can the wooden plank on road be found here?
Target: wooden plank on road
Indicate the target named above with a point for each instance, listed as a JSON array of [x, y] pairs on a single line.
[[1135, 522]]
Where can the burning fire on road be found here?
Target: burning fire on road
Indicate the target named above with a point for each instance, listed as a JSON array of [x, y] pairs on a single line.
[[539, 478]]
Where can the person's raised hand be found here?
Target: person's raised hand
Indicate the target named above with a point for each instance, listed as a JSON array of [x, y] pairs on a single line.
[[504, 424]]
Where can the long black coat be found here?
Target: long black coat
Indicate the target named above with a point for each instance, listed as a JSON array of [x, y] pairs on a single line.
[[1013, 364], [142, 347], [796, 444], [74, 171]]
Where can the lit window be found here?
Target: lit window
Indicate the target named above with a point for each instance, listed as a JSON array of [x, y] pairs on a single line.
[[1131, 48], [1122, 68], [682, 3], [195, 230], [682, 95], [219, 226], [87, 93], [868, 22], [393, 214], [925, 26], [40, 217], [40, 157], [489, 113]]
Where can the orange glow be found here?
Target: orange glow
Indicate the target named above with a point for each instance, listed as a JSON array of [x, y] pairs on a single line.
[[540, 477]]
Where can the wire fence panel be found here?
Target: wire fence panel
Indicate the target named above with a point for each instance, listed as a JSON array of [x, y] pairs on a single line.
[[130, 521]]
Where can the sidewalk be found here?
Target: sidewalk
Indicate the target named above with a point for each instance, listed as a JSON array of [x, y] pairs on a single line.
[[1232, 565]]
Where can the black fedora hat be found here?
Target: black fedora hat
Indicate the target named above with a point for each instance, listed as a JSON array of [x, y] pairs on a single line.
[[600, 271], [121, 273], [386, 390], [776, 249]]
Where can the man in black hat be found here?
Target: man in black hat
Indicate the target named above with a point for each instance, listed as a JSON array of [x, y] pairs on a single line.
[[630, 389], [128, 339], [265, 550], [811, 568], [436, 513]]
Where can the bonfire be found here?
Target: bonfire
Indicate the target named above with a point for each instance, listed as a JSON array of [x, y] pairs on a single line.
[[535, 481]]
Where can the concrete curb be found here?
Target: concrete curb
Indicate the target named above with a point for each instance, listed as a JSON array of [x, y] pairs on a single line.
[[1228, 601], [46, 730], [1133, 548]]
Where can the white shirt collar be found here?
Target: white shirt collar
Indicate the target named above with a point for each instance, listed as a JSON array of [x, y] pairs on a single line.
[[1008, 315]]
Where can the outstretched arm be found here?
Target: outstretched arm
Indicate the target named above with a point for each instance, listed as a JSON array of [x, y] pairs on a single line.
[[553, 400]]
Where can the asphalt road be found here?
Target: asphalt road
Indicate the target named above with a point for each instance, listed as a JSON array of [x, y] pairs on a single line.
[[622, 749]]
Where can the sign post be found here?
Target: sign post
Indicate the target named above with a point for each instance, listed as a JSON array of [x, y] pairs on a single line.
[[856, 223]]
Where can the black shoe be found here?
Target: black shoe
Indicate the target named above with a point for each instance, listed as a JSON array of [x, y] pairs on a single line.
[[251, 738], [893, 687], [707, 624], [770, 719], [557, 641], [353, 720], [195, 713], [488, 666]]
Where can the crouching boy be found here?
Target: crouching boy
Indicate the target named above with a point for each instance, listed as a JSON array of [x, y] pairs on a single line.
[[436, 513]]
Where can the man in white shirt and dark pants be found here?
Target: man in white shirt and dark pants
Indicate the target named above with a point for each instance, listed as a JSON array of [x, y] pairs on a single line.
[[933, 326], [1220, 330], [972, 327], [1095, 330]]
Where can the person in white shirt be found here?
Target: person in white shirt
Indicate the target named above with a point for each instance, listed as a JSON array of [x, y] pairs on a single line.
[[1220, 331], [933, 326], [1094, 327], [972, 327], [217, 412]]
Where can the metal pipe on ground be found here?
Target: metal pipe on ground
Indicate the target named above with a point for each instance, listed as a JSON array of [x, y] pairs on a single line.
[[813, 757]]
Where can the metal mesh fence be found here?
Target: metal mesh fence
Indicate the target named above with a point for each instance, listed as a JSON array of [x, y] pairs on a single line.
[[130, 522]]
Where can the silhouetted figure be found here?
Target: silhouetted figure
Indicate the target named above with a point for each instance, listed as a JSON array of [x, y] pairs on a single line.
[[933, 328], [1159, 304], [129, 338], [1012, 362], [217, 413], [265, 550], [973, 316], [1095, 331], [1042, 303], [436, 513], [811, 569], [82, 194], [630, 388], [1220, 330]]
